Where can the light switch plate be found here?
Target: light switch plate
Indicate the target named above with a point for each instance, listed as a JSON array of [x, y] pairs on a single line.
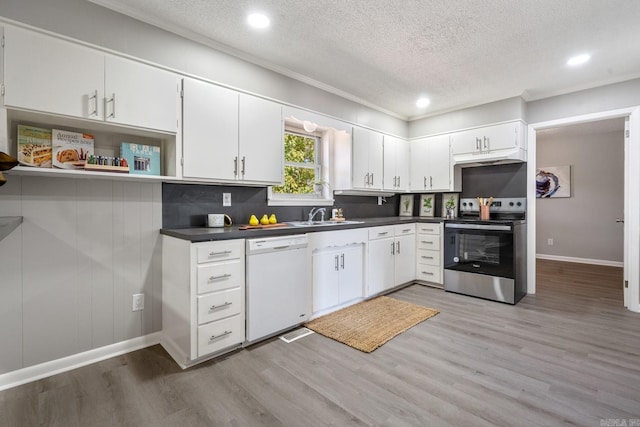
[[226, 199]]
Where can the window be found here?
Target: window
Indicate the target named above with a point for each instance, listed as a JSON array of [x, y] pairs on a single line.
[[305, 182], [300, 164]]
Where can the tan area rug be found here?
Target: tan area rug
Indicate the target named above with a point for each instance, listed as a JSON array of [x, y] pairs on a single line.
[[369, 324]]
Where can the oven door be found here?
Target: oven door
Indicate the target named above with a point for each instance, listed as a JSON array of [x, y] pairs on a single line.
[[479, 248]]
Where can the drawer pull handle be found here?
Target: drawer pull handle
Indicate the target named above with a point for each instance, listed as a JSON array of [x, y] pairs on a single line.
[[427, 273], [219, 253], [426, 242], [222, 276], [426, 257], [215, 307], [215, 337], [382, 234], [406, 230]]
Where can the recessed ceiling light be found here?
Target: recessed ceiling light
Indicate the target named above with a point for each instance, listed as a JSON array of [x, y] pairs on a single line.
[[578, 60], [423, 102], [258, 20]]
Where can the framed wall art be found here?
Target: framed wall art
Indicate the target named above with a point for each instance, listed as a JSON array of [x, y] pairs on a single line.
[[450, 205], [406, 205], [427, 204], [553, 181]]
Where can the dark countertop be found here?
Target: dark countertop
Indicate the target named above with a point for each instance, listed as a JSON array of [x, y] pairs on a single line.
[[227, 233]]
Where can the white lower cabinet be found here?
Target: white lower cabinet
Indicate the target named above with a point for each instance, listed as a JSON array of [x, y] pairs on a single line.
[[203, 298], [337, 276], [391, 257], [429, 253]]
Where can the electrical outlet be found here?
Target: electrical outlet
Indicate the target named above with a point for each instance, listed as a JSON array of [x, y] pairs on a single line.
[[138, 302], [226, 199], [550, 241]]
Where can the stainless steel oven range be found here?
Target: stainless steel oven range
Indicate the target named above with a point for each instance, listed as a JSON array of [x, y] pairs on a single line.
[[487, 259]]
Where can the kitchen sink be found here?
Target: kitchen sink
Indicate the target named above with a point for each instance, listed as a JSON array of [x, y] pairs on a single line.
[[320, 223]]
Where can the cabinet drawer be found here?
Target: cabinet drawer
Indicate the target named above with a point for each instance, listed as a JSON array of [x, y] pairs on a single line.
[[219, 251], [219, 335], [428, 241], [217, 276], [429, 273], [381, 232], [425, 256], [429, 228], [401, 229], [219, 305]]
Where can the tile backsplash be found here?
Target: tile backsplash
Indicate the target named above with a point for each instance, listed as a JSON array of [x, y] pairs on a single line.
[[186, 205]]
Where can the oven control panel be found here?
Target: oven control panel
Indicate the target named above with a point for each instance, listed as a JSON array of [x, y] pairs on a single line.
[[507, 204]]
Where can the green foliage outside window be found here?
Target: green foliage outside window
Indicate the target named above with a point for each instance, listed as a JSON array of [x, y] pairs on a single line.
[[300, 164]]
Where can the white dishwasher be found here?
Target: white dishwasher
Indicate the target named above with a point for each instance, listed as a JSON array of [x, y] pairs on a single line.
[[277, 285]]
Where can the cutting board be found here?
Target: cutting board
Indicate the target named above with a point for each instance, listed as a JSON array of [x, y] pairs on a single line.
[[257, 227]]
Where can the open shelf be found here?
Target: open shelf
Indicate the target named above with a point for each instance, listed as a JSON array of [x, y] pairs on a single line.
[[107, 140]]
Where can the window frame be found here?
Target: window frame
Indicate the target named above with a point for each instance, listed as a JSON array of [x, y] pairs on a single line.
[[321, 166]]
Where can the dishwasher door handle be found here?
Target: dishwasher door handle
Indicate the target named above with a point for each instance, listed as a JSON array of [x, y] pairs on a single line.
[[279, 248]]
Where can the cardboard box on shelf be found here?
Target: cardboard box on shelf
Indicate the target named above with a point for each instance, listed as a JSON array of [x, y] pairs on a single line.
[[34, 146], [142, 159]]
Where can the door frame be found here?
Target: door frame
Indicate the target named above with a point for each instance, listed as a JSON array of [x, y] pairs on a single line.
[[632, 202]]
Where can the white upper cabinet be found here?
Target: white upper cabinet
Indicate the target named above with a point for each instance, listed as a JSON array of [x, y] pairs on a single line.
[[209, 131], [506, 141], [139, 95], [431, 168], [396, 164], [230, 137], [261, 141], [47, 74], [358, 161]]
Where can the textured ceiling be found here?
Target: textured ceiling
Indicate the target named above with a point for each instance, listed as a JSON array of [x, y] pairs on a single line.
[[386, 53]]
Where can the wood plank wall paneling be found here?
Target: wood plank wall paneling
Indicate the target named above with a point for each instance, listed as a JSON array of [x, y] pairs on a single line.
[[11, 280], [70, 270]]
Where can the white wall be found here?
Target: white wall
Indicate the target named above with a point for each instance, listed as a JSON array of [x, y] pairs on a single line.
[[604, 98], [94, 24], [68, 273], [583, 226], [494, 112]]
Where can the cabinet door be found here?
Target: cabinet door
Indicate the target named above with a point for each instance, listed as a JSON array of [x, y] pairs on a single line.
[[326, 284], [469, 141], [381, 265], [405, 260], [403, 167], [500, 137], [439, 162], [351, 273], [48, 74], [140, 95], [261, 149], [209, 131], [376, 160], [361, 176], [418, 165], [390, 155]]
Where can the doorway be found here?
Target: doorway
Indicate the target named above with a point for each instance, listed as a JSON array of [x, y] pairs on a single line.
[[631, 196], [579, 241]]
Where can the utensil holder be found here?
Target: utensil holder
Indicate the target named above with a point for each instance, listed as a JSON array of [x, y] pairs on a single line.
[[484, 213]]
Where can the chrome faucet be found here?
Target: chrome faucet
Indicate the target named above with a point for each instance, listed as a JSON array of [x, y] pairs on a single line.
[[314, 211]]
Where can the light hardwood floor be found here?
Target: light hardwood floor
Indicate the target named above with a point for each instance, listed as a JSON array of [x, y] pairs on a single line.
[[569, 355]]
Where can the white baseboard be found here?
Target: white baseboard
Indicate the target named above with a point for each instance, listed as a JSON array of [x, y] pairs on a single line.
[[47, 369], [581, 260]]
